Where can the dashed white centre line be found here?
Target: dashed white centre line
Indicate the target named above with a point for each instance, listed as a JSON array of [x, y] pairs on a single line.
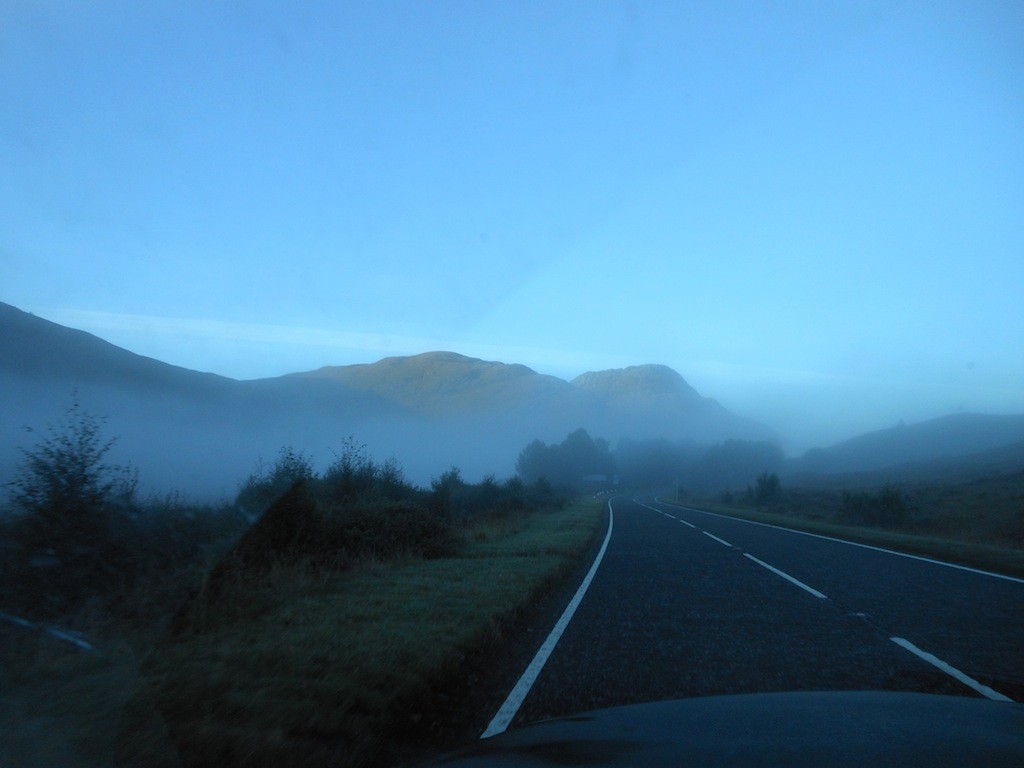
[[786, 576], [931, 560], [720, 541], [953, 672], [936, 662]]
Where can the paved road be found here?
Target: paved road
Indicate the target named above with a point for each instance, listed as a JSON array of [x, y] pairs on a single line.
[[686, 603]]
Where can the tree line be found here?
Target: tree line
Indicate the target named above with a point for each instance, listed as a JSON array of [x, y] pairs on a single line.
[[583, 461]]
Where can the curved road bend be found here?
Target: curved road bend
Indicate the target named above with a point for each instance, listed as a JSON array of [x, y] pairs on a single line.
[[686, 603]]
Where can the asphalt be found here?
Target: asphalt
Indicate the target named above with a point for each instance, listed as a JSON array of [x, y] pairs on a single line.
[[673, 613]]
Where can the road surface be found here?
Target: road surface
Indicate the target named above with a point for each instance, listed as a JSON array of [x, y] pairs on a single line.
[[685, 603]]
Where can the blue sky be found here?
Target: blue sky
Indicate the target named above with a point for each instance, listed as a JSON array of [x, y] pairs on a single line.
[[812, 211]]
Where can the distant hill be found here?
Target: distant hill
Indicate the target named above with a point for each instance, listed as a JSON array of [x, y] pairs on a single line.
[[202, 433], [34, 348], [644, 399], [448, 384], [1001, 461], [937, 443]]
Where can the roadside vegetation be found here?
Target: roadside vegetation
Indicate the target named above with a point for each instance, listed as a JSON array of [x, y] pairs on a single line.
[[315, 619], [978, 523]]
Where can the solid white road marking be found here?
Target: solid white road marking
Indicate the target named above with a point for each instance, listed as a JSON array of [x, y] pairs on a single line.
[[953, 672], [53, 631], [858, 544], [517, 695], [68, 637], [785, 575], [720, 541]]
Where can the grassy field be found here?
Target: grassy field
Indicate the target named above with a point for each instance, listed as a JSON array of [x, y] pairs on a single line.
[[331, 668], [978, 523]]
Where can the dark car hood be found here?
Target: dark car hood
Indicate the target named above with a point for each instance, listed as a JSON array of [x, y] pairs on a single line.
[[855, 728]]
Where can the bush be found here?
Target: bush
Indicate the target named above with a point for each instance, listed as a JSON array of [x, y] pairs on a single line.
[[886, 508], [266, 485], [387, 529], [769, 489], [354, 475]]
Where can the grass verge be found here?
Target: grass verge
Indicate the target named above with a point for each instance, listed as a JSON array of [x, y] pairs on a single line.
[[331, 668], [1005, 560]]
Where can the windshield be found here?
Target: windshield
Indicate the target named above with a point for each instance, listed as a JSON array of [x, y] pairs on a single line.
[[317, 315]]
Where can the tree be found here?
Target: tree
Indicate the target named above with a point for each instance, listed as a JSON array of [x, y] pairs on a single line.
[[75, 506], [446, 493], [566, 463], [534, 461], [64, 485]]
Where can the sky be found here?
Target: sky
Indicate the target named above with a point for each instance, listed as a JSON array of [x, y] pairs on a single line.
[[813, 211]]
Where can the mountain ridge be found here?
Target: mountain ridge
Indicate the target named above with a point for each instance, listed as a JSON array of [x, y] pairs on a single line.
[[944, 437], [430, 410]]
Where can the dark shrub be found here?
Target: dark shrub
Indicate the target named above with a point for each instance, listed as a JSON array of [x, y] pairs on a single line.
[[888, 507], [769, 489], [291, 529], [354, 475], [266, 485], [385, 529]]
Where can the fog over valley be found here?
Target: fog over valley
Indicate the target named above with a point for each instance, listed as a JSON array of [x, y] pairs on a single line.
[[201, 434]]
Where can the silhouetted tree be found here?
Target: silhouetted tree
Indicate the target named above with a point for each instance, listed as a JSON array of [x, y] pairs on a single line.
[[534, 462], [567, 463], [74, 504]]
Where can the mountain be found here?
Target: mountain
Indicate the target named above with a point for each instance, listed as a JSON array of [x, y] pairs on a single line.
[[651, 400], [939, 442], [203, 433], [447, 384], [1001, 461], [32, 348]]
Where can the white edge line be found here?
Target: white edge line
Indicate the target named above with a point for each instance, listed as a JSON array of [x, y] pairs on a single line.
[[953, 672], [18, 620], [858, 544], [67, 637], [52, 631], [517, 695], [720, 541], [785, 575]]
